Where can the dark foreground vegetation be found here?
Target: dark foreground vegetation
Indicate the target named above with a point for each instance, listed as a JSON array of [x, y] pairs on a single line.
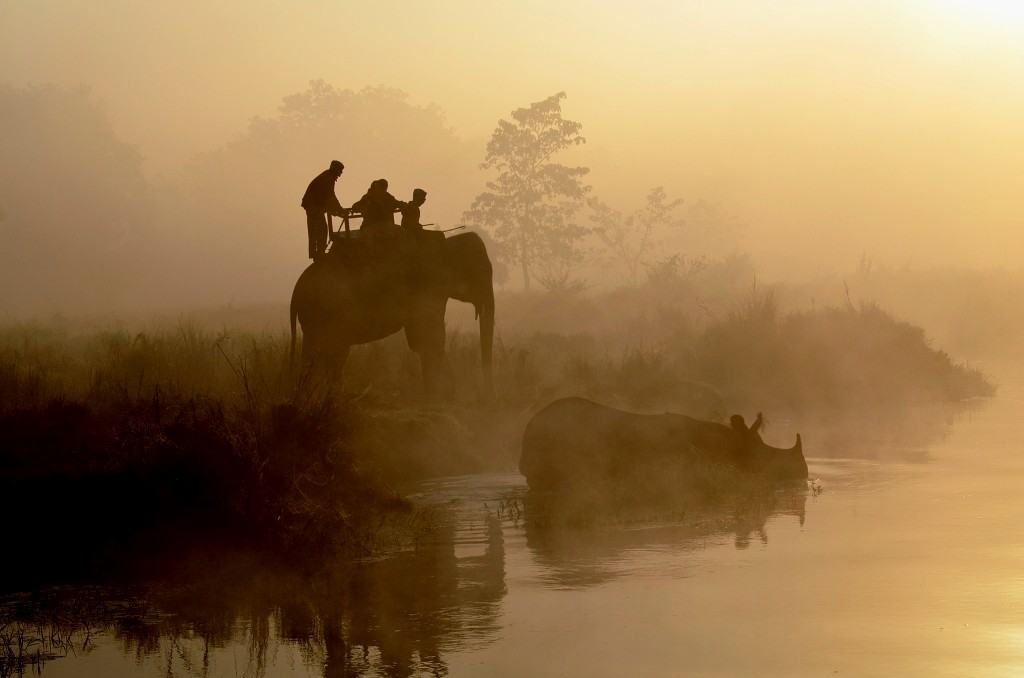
[[148, 436], [117, 438]]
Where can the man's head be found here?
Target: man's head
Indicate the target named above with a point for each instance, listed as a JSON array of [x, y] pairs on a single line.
[[336, 168], [419, 196]]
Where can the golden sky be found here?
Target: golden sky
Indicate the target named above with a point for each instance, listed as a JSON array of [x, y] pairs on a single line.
[[831, 128]]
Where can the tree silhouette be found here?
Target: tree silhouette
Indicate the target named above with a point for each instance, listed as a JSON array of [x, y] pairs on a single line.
[[531, 204], [75, 202], [630, 240]]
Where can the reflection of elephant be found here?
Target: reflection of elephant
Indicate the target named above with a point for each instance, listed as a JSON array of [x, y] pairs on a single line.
[[364, 291], [395, 616]]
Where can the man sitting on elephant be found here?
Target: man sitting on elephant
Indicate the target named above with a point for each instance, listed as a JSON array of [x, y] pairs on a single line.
[[378, 209], [411, 211]]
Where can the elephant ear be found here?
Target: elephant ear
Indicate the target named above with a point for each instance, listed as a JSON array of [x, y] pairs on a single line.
[[756, 426]]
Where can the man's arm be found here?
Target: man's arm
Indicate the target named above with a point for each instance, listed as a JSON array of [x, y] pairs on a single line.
[[391, 202], [335, 206]]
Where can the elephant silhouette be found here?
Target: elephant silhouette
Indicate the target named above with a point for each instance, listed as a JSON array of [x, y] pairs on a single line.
[[364, 291]]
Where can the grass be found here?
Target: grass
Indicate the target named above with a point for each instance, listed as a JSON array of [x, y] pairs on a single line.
[[177, 425], [180, 428]]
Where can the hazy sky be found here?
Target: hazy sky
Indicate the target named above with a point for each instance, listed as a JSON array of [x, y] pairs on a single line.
[[895, 128]]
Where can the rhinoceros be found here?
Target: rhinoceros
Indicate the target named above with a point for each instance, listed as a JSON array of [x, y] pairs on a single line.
[[574, 437]]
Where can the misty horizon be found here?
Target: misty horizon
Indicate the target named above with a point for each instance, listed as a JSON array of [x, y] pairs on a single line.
[[825, 136]]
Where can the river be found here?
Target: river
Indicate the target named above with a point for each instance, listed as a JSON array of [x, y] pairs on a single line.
[[904, 559]]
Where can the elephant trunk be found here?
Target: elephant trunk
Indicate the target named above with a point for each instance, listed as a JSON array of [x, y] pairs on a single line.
[[485, 311]]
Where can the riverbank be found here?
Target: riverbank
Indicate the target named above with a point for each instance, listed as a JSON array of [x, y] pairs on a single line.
[[118, 437]]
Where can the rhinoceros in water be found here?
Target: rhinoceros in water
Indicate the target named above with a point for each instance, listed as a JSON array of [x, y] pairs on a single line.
[[575, 437]]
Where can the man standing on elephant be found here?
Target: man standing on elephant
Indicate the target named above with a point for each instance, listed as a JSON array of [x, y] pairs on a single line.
[[320, 203]]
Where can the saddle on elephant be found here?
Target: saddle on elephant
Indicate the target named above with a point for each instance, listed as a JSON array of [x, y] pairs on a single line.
[[392, 252], [382, 241]]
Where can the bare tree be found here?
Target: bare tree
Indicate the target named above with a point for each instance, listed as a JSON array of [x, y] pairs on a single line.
[[632, 239]]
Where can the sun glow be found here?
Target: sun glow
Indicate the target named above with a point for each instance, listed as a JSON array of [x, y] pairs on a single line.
[[996, 14]]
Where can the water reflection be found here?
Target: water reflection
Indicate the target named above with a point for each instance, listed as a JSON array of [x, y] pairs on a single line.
[[413, 606], [395, 616], [575, 558], [925, 553], [402, 615]]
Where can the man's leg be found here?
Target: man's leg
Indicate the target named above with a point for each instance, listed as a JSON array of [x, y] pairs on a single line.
[[313, 227], [316, 225], [323, 234]]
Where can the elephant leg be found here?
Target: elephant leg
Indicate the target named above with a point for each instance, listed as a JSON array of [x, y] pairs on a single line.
[[438, 375], [318, 353], [339, 356], [311, 340], [429, 367], [316, 347], [426, 336]]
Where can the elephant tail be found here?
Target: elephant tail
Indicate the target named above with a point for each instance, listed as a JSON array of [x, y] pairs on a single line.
[[291, 319]]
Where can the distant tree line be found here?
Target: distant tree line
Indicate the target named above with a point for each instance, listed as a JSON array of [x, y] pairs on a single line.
[[74, 199], [84, 230]]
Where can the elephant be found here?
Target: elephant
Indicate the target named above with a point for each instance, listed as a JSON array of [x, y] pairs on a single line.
[[365, 290], [573, 438]]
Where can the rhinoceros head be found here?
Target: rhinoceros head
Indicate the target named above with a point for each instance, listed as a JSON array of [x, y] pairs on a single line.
[[776, 462]]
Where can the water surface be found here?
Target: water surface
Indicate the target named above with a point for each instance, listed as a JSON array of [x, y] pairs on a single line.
[[910, 562]]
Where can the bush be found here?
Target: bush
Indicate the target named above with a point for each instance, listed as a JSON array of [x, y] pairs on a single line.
[[832, 358]]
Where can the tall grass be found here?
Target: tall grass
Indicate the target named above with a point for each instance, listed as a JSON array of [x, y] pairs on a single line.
[[176, 421], [155, 427]]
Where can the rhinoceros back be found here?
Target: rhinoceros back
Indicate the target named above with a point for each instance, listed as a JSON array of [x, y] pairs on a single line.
[[573, 439]]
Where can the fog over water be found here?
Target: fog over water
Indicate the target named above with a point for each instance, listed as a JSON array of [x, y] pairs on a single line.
[[821, 132]]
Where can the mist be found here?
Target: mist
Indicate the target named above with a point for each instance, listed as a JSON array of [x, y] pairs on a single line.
[[822, 134], [723, 334]]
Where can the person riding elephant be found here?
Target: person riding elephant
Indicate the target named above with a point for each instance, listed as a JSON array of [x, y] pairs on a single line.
[[345, 304], [320, 203], [411, 211], [378, 208]]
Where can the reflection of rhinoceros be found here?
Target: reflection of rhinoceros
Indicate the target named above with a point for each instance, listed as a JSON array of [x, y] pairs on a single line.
[[573, 437]]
